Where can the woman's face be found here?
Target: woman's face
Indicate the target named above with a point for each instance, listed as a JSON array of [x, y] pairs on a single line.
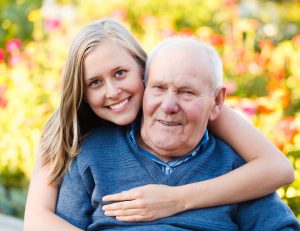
[[113, 83]]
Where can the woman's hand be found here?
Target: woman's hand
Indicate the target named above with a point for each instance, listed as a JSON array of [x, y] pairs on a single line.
[[145, 203]]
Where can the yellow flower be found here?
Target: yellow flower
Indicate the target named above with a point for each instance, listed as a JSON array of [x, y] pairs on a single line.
[[34, 15]]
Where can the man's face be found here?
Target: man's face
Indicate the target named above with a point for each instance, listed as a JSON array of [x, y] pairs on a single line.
[[177, 102]]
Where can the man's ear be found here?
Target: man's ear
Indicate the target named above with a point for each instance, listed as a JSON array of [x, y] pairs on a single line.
[[219, 98]]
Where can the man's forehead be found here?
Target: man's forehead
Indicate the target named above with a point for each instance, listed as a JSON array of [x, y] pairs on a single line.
[[185, 65], [189, 55], [187, 48]]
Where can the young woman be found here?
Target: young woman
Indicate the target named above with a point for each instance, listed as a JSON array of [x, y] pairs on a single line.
[[103, 79]]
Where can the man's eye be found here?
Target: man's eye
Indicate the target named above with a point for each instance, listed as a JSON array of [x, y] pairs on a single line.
[[187, 92], [120, 74], [158, 87]]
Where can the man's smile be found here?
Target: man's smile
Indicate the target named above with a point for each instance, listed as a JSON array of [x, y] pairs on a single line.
[[169, 123]]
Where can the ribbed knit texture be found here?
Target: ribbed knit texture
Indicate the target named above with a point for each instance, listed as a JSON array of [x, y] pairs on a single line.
[[109, 163]]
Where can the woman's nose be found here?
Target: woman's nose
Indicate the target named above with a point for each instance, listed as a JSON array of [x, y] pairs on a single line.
[[112, 91]]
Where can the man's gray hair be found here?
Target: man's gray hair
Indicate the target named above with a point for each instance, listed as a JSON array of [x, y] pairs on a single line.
[[212, 55]]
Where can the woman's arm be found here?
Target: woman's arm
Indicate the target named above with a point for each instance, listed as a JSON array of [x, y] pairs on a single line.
[[40, 205], [267, 169]]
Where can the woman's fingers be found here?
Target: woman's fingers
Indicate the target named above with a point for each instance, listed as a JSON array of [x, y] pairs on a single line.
[[134, 204], [133, 218], [128, 195], [123, 212], [123, 196]]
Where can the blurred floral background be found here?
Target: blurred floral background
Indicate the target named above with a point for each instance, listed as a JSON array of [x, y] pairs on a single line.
[[259, 42]]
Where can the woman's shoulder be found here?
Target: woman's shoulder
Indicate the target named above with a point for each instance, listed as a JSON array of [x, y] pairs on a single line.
[[106, 131], [103, 137]]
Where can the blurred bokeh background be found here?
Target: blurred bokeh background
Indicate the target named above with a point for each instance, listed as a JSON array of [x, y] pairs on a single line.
[[259, 42]]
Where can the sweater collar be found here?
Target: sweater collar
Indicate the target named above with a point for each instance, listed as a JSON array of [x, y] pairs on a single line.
[[167, 167]]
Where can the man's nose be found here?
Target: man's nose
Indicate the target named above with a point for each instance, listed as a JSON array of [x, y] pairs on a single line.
[[113, 91], [170, 104]]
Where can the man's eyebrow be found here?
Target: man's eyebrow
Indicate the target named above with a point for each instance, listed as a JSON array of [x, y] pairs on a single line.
[[186, 85], [157, 82]]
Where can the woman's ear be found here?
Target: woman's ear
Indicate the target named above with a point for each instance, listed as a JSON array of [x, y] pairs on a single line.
[[84, 99], [219, 99]]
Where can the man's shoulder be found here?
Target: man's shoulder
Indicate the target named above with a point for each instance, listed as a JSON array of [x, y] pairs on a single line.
[[221, 144], [258, 214], [223, 149]]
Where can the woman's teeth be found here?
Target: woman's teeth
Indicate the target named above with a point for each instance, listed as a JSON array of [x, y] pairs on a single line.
[[119, 105]]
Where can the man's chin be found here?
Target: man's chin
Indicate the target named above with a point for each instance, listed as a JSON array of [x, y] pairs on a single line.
[[167, 149]]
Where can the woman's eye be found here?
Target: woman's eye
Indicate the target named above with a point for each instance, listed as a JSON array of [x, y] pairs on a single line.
[[95, 83], [120, 73]]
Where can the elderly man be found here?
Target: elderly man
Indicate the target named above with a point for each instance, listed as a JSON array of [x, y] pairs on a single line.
[[183, 92]]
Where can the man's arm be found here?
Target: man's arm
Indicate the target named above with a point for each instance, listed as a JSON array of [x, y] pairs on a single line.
[[74, 202], [266, 213]]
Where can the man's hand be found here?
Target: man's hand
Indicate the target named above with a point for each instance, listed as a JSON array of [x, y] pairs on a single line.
[[145, 203]]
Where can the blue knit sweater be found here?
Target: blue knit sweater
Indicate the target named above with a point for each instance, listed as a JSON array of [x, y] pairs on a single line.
[[109, 163]]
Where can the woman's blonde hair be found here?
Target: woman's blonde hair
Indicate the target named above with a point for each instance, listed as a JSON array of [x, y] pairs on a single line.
[[71, 122]]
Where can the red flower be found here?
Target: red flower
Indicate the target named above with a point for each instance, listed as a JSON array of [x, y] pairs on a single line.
[[217, 40], [186, 31], [2, 55], [266, 43], [230, 3], [296, 39], [13, 44], [278, 74]]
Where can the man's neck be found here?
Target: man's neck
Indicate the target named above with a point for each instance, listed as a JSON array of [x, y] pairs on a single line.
[[146, 147], [164, 156]]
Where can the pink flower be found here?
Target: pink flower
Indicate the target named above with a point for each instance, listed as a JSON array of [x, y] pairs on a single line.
[[2, 55], [13, 44], [52, 24], [12, 60], [230, 87], [149, 20], [285, 130], [3, 101], [167, 32], [248, 107], [119, 14]]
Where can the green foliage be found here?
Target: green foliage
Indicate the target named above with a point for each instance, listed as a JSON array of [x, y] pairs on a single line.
[[14, 19], [12, 201]]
